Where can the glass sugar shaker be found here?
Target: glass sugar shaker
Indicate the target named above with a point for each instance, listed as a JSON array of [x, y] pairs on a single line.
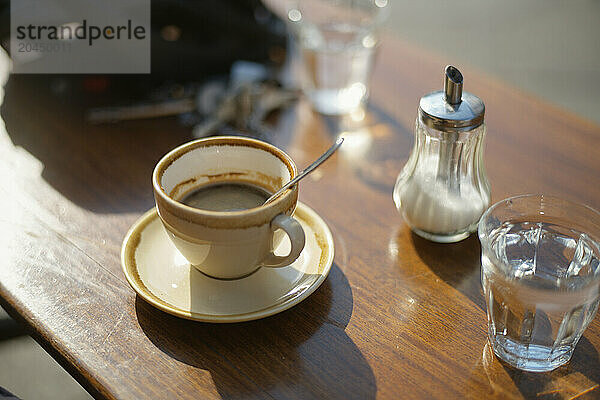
[[443, 190]]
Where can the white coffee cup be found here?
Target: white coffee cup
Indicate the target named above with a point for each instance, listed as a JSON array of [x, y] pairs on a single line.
[[228, 244]]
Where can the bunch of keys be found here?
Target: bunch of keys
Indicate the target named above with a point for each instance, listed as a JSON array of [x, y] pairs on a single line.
[[244, 105]]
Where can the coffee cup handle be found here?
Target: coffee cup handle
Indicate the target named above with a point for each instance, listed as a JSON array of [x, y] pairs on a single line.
[[296, 234]]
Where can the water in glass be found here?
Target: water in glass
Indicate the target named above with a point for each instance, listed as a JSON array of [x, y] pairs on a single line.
[[540, 282], [337, 58]]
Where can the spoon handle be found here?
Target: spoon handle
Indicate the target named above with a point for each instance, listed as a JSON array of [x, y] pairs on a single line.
[[307, 170]]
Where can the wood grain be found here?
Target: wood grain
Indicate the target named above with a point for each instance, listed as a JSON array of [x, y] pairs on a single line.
[[398, 317]]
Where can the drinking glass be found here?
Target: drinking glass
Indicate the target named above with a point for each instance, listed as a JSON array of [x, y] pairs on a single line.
[[337, 40], [540, 276]]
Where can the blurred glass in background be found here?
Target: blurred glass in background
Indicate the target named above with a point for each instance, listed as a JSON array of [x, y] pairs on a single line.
[[336, 40]]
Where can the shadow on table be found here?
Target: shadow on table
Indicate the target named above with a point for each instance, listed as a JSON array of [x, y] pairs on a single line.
[[102, 168], [458, 264], [572, 380], [302, 352]]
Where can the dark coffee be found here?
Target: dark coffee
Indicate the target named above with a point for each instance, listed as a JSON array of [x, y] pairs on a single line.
[[228, 196]]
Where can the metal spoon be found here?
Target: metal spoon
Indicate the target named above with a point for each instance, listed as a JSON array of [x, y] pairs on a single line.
[[307, 170]]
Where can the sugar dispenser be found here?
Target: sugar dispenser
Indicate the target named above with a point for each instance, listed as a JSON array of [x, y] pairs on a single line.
[[443, 190]]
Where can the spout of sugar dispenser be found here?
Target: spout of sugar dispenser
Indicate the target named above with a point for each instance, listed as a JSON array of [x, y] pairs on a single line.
[[453, 85]]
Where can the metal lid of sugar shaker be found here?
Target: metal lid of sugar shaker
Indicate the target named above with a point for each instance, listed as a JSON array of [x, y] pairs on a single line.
[[452, 109]]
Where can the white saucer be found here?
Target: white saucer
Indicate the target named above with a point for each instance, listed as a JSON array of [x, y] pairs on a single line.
[[164, 278]]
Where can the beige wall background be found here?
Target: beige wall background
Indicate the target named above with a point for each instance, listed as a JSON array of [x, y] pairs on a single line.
[[550, 48]]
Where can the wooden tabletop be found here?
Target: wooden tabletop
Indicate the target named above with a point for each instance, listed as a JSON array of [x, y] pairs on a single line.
[[398, 316]]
